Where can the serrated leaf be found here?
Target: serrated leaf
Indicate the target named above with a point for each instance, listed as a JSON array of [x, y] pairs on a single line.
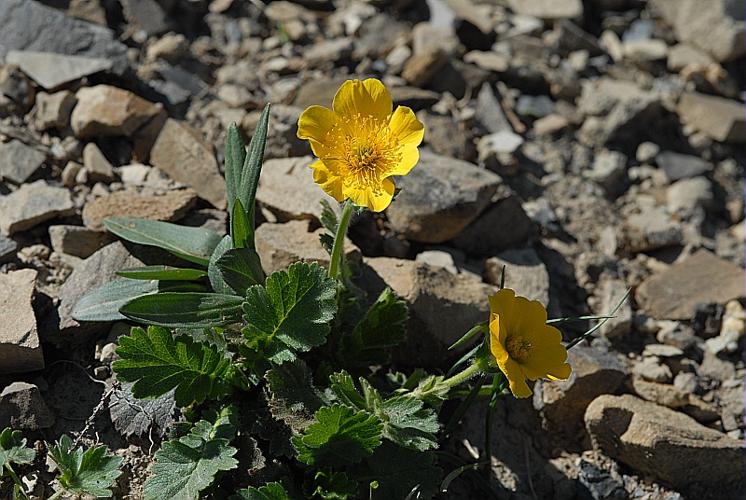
[[339, 436], [293, 398], [240, 268], [90, 471], [331, 485], [224, 424], [185, 466], [103, 303], [252, 166], [291, 311], [382, 328], [157, 362], [184, 309], [162, 273], [190, 243], [213, 272], [235, 155], [241, 231], [138, 417], [13, 449], [329, 218], [398, 471], [270, 491]]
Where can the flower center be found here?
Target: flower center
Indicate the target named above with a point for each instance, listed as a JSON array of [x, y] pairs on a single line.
[[518, 347]]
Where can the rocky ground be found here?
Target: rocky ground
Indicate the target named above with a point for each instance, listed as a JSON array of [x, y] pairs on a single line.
[[590, 147]]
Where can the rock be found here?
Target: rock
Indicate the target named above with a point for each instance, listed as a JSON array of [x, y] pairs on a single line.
[[88, 10], [644, 51], [650, 368], [504, 141], [279, 245], [172, 47], [53, 110], [170, 207], [673, 397], [715, 26], [16, 91], [600, 483], [8, 249], [23, 408], [490, 61], [32, 204], [719, 118], [550, 124], [99, 268], [328, 50], [610, 171], [286, 188], [489, 112], [183, 154], [20, 350], [447, 137], [666, 444], [282, 133], [611, 292], [146, 15], [51, 70], [687, 195], [678, 166], [646, 152], [548, 9], [480, 236], [532, 106], [731, 330], [77, 240], [104, 111], [440, 197], [97, 166], [70, 173], [319, 91], [28, 25], [421, 68], [682, 55], [413, 97], [700, 278], [18, 161], [562, 403], [442, 306], [649, 230], [438, 258], [524, 272]]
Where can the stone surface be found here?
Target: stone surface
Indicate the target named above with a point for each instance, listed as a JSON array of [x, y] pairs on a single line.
[[687, 195], [650, 230], [8, 248], [18, 161], [146, 15], [52, 70], [104, 111], [701, 278], [611, 292], [279, 245], [77, 240], [183, 154], [666, 444], [22, 407], [20, 350], [440, 197], [679, 166], [97, 166], [524, 272], [32, 204], [548, 9], [287, 189], [53, 110], [609, 169], [170, 206], [480, 237], [721, 119]]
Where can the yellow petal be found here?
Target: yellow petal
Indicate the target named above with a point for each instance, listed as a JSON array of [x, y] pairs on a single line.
[[315, 122], [328, 180], [377, 201], [502, 303], [368, 97], [405, 126], [562, 372], [497, 342], [409, 158], [516, 379]]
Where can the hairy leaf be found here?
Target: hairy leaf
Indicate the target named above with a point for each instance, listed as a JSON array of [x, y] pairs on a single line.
[[240, 268], [184, 309], [241, 231], [252, 167], [330, 222], [163, 273], [339, 436], [90, 471], [132, 416], [103, 303], [270, 491], [293, 398], [213, 272], [157, 362], [235, 155], [291, 312], [13, 449]]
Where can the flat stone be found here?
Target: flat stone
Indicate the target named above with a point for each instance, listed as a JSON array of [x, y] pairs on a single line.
[[32, 204], [679, 166], [8, 249], [489, 112], [23, 408], [54, 110], [666, 444], [440, 197], [649, 230], [170, 206], [524, 272], [287, 189], [279, 245], [18, 161], [480, 237], [20, 350], [719, 118], [146, 15], [319, 91], [184, 155], [609, 170], [78, 241], [50, 70], [97, 166], [611, 292], [688, 195], [438, 258], [651, 368], [414, 97], [701, 278], [682, 55], [491, 61], [548, 9], [27, 25], [105, 111]]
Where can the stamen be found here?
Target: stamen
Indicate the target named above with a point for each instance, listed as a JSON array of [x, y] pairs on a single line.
[[518, 347]]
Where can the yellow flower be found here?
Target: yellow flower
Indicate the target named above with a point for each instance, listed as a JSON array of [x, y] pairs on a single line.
[[523, 345], [361, 143]]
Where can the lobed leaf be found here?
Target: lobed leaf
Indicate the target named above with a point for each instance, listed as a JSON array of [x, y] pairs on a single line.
[[13, 449], [184, 309], [132, 416], [331, 485], [270, 491], [82, 472], [293, 398]]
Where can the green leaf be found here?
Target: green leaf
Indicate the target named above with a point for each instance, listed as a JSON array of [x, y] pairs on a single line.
[[90, 471], [340, 436], [330, 222], [132, 416], [190, 243], [241, 230], [235, 155], [382, 328], [293, 398], [103, 303], [330, 485], [241, 268], [185, 466], [398, 471], [163, 273], [292, 311], [253, 166], [157, 362], [270, 491], [213, 272], [13, 449], [184, 310]]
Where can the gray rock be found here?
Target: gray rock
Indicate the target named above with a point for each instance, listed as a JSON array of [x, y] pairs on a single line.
[[489, 112], [97, 166], [678, 166], [78, 241], [524, 272], [32, 204], [687, 195], [438, 258], [8, 248], [447, 137], [548, 9], [23, 408], [719, 118], [106, 111], [54, 110], [651, 368], [649, 230], [146, 15], [682, 55], [611, 292], [534, 106], [18, 161], [51, 70], [20, 350], [440, 197], [287, 189], [609, 169], [480, 237], [31, 26]]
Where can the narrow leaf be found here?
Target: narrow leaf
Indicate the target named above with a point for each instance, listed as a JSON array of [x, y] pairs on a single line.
[[103, 303], [163, 273], [253, 165], [184, 310], [240, 268], [241, 228], [235, 155]]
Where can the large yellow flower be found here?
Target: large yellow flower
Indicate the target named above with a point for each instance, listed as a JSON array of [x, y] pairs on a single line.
[[523, 345], [361, 143]]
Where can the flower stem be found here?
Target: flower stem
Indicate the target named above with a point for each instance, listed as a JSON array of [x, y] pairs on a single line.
[[339, 239], [462, 376]]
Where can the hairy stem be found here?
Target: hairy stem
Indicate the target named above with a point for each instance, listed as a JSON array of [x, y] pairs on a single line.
[[339, 238]]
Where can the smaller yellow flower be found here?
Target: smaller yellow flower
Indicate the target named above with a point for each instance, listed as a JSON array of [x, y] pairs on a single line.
[[361, 143], [523, 345]]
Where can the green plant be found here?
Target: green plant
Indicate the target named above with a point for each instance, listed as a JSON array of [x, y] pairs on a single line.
[[84, 472], [13, 451]]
